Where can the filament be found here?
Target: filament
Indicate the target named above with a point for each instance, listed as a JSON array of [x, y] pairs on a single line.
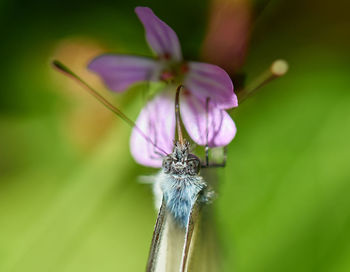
[[277, 69]]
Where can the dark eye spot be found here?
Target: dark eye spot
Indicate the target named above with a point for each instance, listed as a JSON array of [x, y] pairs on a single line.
[[167, 161], [193, 166]]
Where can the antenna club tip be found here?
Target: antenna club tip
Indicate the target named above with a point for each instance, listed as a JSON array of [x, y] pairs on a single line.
[[279, 67], [56, 63], [61, 67]]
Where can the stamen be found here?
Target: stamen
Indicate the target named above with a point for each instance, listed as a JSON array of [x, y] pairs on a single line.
[[184, 68], [167, 76], [277, 69], [167, 56]]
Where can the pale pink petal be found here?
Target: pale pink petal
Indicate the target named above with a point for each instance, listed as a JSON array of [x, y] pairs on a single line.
[[208, 80], [119, 72], [221, 128], [160, 37], [157, 122]]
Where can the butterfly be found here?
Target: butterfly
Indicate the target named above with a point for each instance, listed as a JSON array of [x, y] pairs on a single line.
[[184, 192]]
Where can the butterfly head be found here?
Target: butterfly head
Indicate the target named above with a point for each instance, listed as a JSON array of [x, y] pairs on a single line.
[[181, 161]]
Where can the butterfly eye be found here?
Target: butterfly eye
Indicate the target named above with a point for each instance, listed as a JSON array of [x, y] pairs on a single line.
[[167, 161], [193, 166]]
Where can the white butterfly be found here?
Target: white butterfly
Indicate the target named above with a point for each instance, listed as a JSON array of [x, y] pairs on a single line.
[[182, 195]]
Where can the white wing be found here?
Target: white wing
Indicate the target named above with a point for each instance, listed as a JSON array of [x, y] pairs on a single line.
[[172, 246]]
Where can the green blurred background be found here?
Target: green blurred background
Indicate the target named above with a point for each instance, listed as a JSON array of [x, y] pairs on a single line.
[[69, 196]]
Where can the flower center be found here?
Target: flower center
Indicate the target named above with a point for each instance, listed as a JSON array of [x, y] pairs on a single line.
[[186, 92], [174, 72]]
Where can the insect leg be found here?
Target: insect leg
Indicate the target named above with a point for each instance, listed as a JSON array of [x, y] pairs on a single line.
[[206, 156], [207, 164], [218, 165], [156, 239], [207, 132]]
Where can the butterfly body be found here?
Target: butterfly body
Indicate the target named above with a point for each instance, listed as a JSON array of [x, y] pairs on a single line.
[[180, 183], [180, 193], [183, 192]]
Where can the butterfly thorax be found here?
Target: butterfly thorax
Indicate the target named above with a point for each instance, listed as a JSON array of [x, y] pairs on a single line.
[[181, 183]]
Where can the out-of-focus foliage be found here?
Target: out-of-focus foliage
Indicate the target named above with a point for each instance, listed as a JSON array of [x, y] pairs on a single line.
[[69, 197]]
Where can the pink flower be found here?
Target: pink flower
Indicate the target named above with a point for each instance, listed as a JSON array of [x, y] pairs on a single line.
[[157, 118]]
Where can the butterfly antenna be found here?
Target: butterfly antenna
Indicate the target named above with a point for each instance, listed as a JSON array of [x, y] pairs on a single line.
[[177, 115], [64, 69]]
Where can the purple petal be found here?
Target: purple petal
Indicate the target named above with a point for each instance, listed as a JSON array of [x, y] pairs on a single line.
[[221, 128], [120, 71], [157, 121], [207, 80], [160, 37]]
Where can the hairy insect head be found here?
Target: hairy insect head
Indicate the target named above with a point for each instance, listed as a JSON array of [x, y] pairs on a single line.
[[181, 161]]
